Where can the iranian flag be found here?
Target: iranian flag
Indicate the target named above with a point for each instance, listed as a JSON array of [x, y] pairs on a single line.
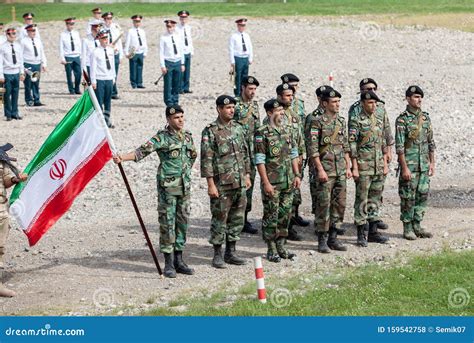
[[72, 155]]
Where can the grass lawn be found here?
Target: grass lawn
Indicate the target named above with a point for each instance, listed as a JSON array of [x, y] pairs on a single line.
[[421, 287]]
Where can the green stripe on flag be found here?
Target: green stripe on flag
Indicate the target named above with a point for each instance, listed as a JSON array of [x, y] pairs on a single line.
[[82, 110]]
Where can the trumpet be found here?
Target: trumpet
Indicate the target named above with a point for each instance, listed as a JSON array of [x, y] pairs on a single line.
[[2, 92], [131, 52], [117, 39], [34, 75]]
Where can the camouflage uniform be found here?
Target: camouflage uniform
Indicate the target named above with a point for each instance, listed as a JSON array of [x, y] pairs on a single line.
[[177, 155], [368, 139], [224, 156], [297, 107], [274, 147], [414, 138], [329, 142], [5, 174], [248, 116]]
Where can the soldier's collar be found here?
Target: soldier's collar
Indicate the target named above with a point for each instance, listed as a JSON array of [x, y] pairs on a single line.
[[221, 124], [413, 111]]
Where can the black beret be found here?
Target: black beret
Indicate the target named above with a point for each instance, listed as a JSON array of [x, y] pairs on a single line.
[[414, 90], [28, 15], [330, 93], [107, 14], [367, 81], [170, 21], [250, 80], [370, 95], [321, 89], [284, 87], [271, 104], [225, 100], [183, 13], [173, 109], [289, 78], [136, 17], [241, 21]]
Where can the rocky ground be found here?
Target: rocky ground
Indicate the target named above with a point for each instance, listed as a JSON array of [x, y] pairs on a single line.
[[94, 260]]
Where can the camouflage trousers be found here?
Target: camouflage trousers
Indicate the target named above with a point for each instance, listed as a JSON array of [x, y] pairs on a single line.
[[4, 230], [228, 211], [276, 214], [413, 196], [249, 192], [297, 200], [331, 202], [173, 214], [368, 199], [313, 183]]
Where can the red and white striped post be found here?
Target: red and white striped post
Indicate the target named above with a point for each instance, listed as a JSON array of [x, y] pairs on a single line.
[[331, 79], [261, 292]]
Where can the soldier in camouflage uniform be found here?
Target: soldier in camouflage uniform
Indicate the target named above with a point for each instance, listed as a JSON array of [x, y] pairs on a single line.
[[226, 166], [415, 148], [246, 113], [307, 130], [7, 179], [276, 157], [177, 153], [297, 106], [291, 121], [369, 84], [369, 165], [329, 151]]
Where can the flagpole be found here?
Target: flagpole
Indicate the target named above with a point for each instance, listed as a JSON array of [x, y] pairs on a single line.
[[124, 177]]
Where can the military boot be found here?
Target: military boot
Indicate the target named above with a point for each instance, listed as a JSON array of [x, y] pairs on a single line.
[[419, 231], [408, 231], [248, 227], [218, 261], [281, 248], [299, 220], [5, 292], [340, 231], [272, 254], [333, 242], [361, 235], [381, 225], [293, 235], [230, 257], [322, 242], [374, 235], [169, 271], [179, 264]]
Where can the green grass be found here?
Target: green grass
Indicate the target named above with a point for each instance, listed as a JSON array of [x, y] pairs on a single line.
[[58, 11], [420, 287]]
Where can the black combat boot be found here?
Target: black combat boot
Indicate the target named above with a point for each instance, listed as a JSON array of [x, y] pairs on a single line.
[[169, 272], [381, 225], [322, 242], [374, 235], [179, 264], [218, 261], [292, 234], [272, 254], [419, 231], [361, 235], [340, 231], [333, 242], [248, 227], [230, 257], [299, 220], [281, 248]]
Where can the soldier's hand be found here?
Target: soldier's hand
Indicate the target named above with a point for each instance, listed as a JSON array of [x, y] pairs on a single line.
[[348, 173], [94, 86], [406, 175], [269, 189], [63, 62], [212, 191], [183, 68], [117, 159], [385, 169], [43, 69], [355, 174], [322, 176], [297, 182], [164, 70], [2, 80], [22, 77], [431, 171], [248, 182], [23, 177]]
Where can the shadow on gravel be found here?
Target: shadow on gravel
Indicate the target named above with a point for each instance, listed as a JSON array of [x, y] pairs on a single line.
[[452, 198]]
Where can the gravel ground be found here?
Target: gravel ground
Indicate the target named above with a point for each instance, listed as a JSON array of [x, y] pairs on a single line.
[[94, 260]]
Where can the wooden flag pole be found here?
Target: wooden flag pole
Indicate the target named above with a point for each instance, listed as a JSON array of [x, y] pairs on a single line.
[[134, 203]]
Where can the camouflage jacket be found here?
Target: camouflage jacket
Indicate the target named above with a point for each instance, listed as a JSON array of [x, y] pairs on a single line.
[[5, 174], [414, 138], [276, 149], [248, 116], [367, 140], [298, 107], [177, 155], [356, 109], [329, 142], [224, 154]]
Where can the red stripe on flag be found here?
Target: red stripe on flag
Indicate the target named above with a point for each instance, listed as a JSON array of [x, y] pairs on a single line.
[[262, 293], [259, 273], [64, 198]]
